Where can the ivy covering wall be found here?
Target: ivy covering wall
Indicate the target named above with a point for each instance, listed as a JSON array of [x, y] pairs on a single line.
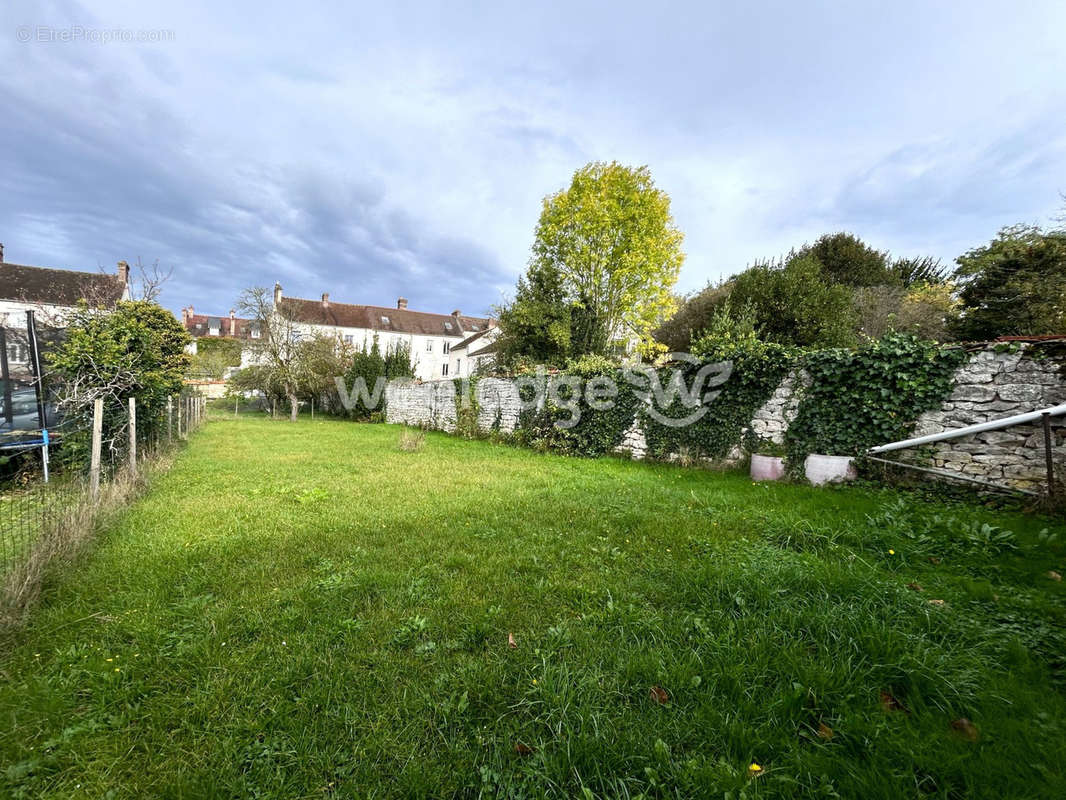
[[758, 368], [861, 398]]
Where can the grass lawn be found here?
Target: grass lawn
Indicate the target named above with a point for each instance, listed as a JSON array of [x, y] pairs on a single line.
[[302, 610]]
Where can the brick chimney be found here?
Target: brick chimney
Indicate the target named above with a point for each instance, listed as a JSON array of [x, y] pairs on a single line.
[[401, 302], [185, 316], [325, 299], [232, 323], [124, 271], [457, 313], [1, 252], [277, 293]]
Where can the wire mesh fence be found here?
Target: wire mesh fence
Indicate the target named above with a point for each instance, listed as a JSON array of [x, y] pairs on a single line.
[[88, 453]]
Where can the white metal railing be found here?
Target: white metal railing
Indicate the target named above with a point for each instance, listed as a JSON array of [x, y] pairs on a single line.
[[955, 433], [1043, 415]]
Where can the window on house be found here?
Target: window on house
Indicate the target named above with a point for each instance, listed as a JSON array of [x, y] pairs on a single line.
[[384, 320], [447, 348], [444, 369], [429, 345], [348, 338], [457, 370], [447, 326], [255, 333]]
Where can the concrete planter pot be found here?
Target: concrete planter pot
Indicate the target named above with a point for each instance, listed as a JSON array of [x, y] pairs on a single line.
[[821, 469], [767, 468]]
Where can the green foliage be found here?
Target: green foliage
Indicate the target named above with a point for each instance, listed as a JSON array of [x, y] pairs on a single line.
[[794, 304], [1015, 285], [861, 398], [606, 254], [214, 356], [466, 407], [137, 350], [370, 365], [757, 369], [848, 261], [825, 294], [536, 325], [598, 394]]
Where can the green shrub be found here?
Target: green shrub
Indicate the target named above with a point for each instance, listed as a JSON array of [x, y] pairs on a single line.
[[861, 398]]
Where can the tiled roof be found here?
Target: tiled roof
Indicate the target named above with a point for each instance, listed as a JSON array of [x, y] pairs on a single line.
[[469, 340], [60, 287], [377, 318], [201, 324]]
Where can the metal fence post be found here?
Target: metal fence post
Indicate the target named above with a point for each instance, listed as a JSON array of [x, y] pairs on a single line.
[[133, 437], [1049, 443], [98, 429]]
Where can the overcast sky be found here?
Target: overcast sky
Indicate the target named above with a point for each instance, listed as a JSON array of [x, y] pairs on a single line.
[[396, 149]]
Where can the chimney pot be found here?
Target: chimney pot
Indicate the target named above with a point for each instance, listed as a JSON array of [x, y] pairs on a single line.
[[124, 271], [277, 293], [401, 302]]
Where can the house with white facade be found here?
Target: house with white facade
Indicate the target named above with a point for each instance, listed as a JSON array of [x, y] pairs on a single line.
[[52, 295], [430, 337], [476, 352]]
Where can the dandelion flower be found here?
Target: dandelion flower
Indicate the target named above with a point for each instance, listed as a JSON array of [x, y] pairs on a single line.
[[891, 552]]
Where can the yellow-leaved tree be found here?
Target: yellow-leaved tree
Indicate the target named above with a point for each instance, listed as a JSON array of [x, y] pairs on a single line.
[[612, 243]]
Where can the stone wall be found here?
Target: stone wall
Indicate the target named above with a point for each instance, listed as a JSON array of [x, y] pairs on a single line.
[[991, 385], [432, 404]]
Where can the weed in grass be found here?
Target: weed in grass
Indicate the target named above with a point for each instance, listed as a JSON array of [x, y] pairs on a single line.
[[411, 440]]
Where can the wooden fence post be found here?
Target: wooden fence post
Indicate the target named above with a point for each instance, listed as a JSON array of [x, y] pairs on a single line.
[[170, 419], [133, 437], [98, 430]]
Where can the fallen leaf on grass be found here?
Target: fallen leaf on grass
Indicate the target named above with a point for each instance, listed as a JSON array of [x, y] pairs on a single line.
[[824, 731], [890, 703], [934, 560], [1055, 576], [965, 728], [915, 586], [511, 642], [522, 749], [658, 695]]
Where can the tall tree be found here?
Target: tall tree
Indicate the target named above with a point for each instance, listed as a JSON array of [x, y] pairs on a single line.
[[276, 352], [793, 303], [1015, 285], [613, 245], [849, 261], [536, 324]]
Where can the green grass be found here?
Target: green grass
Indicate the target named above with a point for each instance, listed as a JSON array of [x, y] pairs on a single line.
[[305, 611]]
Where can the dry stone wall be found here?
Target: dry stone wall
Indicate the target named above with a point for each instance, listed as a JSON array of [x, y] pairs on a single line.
[[992, 384]]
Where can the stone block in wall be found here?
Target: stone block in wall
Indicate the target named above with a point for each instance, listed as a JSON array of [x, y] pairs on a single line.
[[977, 394], [1021, 393]]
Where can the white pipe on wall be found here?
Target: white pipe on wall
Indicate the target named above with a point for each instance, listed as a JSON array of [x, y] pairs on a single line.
[[980, 427]]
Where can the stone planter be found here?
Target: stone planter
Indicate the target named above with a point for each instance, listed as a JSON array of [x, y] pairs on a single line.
[[767, 468], [828, 469]]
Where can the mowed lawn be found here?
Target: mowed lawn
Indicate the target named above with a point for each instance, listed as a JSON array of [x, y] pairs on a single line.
[[304, 611]]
